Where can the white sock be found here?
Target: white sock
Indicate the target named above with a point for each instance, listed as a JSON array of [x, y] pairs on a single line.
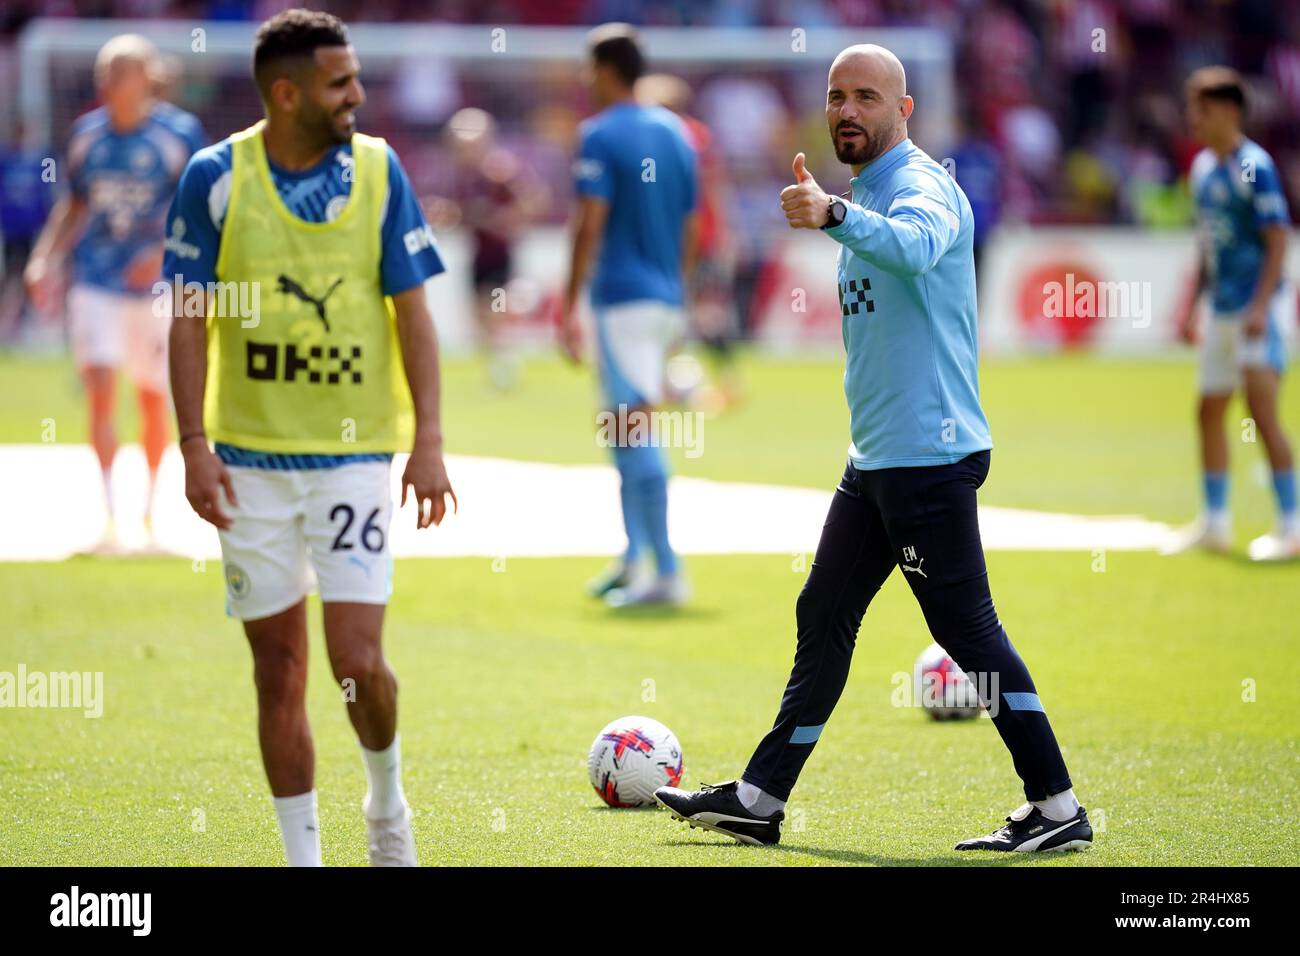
[[148, 501], [758, 802], [384, 799], [1058, 806], [1218, 519], [107, 474], [299, 828]]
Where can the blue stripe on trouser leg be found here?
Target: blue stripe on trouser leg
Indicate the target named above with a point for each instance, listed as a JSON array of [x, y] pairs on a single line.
[[876, 517], [806, 735], [852, 561], [1024, 702]]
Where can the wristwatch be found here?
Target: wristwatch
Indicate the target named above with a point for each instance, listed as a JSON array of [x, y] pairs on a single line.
[[835, 213]]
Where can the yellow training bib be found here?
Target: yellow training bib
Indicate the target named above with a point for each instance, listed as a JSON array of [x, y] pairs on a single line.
[[319, 369]]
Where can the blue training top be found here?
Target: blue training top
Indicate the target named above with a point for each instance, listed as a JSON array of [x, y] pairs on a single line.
[[907, 297], [1235, 197], [638, 160]]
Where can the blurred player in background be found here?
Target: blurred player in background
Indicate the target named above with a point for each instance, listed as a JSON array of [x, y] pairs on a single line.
[[1244, 222], [711, 301], [308, 400], [635, 184], [123, 163], [495, 202], [25, 201], [918, 454]]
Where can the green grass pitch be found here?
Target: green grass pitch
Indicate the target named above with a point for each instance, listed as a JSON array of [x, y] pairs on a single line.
[[1168, 681]]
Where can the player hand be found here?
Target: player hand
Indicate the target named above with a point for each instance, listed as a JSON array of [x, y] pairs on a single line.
[[805, 204], [205, 477], [38, 278], [426, 476], [1254, 320], [571, 334], [1187, 327], [144, 270]]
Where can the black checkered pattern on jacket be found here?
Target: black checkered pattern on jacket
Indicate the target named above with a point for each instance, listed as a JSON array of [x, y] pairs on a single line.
[[853, 297]]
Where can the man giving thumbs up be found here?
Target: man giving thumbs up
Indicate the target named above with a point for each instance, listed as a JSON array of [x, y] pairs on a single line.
[[919, 451]]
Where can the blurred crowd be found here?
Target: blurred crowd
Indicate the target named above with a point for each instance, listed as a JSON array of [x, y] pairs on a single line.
[[1070, 111]]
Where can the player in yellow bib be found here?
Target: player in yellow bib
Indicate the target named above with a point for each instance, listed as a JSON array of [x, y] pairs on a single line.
[[303, 349]]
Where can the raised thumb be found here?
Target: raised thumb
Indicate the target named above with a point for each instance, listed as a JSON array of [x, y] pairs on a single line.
[[800, 173]]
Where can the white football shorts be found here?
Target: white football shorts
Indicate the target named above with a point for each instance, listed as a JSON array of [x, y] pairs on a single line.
[[295, 531], [634, 339], [1225, 351], [114, 330]]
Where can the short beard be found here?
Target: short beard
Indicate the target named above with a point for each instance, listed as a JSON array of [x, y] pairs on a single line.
[[322, 131], [339, 137], [851, 154]]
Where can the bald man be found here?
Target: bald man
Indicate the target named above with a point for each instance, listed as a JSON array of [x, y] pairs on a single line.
[[919, 451]]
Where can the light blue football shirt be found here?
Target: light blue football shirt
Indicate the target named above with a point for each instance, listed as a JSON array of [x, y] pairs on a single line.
[[637, 159], [126, 181], [1235, 197], [907, 297]]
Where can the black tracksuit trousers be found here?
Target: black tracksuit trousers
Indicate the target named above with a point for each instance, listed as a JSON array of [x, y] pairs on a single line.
[[924, 520]]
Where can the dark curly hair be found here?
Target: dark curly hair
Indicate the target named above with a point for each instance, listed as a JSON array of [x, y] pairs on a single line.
[[288, 39]]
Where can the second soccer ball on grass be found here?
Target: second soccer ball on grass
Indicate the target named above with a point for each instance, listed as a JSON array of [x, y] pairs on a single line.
[[632, 757]]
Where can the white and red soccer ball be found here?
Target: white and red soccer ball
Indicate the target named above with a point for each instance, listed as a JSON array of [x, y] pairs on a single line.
[[943, 690], [631, 758]]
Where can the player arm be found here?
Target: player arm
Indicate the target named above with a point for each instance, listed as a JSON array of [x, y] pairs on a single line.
[[189, 264], [61, 229], [425, 472], [589, 226], [419, 341], [187, 359], [64, 225], [909, 241], [1187, 310], [690, 243], [186, 269], [1270, 271]]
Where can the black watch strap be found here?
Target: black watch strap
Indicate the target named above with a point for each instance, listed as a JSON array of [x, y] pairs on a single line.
[[835, 213]]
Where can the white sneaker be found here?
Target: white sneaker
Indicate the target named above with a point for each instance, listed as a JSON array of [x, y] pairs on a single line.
[[670, 590], [391, 841], [619, 575], [109, 544], [1275, 547], [1213, 536]]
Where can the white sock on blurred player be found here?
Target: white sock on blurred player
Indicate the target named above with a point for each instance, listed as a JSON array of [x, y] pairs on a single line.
[[107, 475], [1058, 806], [384, 799], [299, 828]]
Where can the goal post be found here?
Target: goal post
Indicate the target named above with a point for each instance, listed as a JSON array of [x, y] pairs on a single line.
[[50, 49]]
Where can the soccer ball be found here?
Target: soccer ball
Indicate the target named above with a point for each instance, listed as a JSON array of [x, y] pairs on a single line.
[[631, 758], [944, 691]]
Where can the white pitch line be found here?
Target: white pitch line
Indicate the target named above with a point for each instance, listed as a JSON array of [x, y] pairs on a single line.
[[52, 507]]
